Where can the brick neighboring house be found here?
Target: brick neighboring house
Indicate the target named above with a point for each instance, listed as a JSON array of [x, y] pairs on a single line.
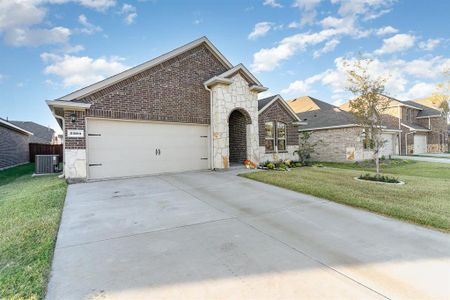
[[41, 134], [13, 145], [188, 109], [424, 128], [342, 139]]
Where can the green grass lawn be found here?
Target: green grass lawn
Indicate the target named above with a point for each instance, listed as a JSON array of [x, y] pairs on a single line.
[[30, 211], [424, 199]]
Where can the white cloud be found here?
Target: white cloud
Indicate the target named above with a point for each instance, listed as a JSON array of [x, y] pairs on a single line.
[[261, 29], [1, 78], [405, 79], [272, 3], [386, 30], [198, 21], [429, 44], [368, 8], [19, 21], [81, 70], [302, 86], [19, 14], [36, 37], [308, 9], [419, 90], [88, 27], [100, 5], [129, 12], [269, 59], [329, 46], [397, 43]]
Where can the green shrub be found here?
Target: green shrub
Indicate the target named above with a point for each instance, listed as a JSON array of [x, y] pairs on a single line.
[[270, 166], [379, 178]]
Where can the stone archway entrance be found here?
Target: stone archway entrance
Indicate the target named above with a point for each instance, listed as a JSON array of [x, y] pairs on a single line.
[[237, 135]]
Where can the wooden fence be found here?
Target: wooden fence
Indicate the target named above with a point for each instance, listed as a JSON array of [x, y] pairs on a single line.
[[45, 149]]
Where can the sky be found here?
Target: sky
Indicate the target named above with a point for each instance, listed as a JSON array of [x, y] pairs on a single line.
[[49, 48]]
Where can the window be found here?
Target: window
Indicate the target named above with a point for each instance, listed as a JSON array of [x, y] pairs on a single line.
[[270, 136], [281, 136], [368, 143]]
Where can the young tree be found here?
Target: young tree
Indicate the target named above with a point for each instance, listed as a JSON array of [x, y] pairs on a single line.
[[442, 94], [369, 104], [306, 147]]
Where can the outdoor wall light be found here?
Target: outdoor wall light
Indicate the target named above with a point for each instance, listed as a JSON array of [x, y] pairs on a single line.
[[73, 117]]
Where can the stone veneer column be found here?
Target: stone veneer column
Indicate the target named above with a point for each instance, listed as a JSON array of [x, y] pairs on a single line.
[[226, 98]]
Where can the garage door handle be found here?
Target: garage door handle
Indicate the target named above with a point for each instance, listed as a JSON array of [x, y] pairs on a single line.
[[159, 151]]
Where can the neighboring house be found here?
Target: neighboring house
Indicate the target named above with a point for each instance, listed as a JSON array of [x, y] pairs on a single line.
[[13, 145], [41, 134], [424, 129], [341, 138], [189, 109]]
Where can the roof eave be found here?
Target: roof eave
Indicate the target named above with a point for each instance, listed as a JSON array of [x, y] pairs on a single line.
[[16, 128], [68, 104]]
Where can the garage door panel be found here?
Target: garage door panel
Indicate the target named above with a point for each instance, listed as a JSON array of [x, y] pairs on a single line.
[[420, 143], [122, 148]]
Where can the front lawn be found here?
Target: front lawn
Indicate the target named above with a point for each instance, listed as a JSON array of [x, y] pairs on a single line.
[[424, 199], [30, 211]]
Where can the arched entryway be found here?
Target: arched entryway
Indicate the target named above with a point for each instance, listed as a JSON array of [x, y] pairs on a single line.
[[237, 135]]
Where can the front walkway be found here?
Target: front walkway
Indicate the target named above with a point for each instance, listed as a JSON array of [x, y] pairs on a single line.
[[424, 158], [213, 235]]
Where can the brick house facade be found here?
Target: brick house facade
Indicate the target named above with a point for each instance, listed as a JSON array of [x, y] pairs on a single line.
[[193, 86], [417, 120], [338, 136]]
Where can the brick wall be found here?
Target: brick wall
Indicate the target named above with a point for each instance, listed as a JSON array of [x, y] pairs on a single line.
[[237, 137], [277, 112], [334, 143], [13, 148], [171, 92], [70, 142]]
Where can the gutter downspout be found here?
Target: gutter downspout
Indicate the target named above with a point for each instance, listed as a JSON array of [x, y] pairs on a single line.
[[211, 142], [400, 134], [63, 142]]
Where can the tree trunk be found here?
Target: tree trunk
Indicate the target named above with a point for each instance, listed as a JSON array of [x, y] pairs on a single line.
[[377, 161]]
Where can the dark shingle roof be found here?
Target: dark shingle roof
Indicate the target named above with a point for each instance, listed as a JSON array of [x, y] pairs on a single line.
[[263, 102], [425, 110], [326, 116], [41, 134], [415, 126]]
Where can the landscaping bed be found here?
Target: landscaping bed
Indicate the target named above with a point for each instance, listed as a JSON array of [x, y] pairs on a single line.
[[423, 200], [30, 212]]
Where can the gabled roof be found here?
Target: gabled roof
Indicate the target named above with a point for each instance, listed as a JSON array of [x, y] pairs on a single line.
[[308, 103], [40, 133], [414, 127], [265, 103], [224, 78], [83, 92], [11, 126], [425, 111], [320, 115]]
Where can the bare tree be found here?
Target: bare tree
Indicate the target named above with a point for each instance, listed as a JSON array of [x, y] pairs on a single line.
[[369, 104]]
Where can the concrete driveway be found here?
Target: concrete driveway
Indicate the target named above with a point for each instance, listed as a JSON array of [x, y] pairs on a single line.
[[213, 235]]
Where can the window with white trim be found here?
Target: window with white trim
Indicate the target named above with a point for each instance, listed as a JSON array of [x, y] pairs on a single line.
[[269, 136], [281, 136]]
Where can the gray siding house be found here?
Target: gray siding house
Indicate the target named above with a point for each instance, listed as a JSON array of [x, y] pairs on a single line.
[[13, 145]]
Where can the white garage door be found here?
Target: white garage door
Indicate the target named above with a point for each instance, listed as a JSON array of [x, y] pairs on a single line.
[[420, 144], [388, 147], [123, 148]]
